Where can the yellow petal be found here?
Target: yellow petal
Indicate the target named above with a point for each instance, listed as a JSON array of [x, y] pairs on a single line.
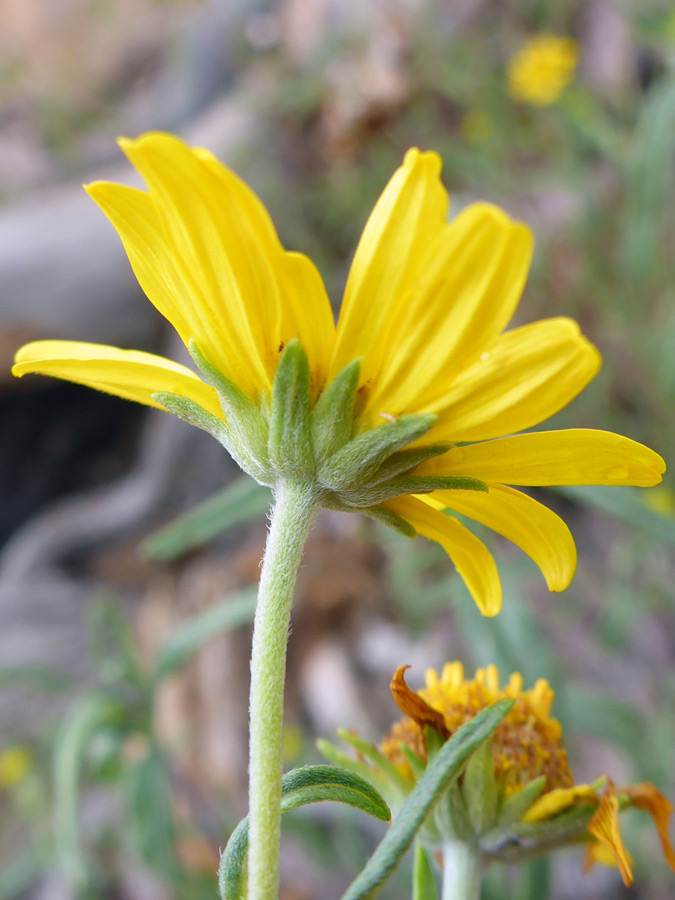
[[525, 376], [534, 528], [409, 215], [130, 374], [646, 796], [306, 312], [470, 555], [573, 456], [468, 285], [558, 800], [176, 288], [206, 253], [605, 827]]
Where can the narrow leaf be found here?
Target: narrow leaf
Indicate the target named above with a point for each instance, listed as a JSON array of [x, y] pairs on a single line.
[[187, 639], [240, 502], [377, 759], [194, 414], [480, 789], [247, 430], [76, 731], [363, 455], [333, 416], [338, 758], [379, 513], [405, 460], [514, 807], [416, 763], [424, 883], [236, 405], [309, 784], [410, 484], [290, 443], [448, 763]]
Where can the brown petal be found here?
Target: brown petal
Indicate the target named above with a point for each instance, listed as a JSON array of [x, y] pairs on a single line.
[[414, 706], [645, 796]]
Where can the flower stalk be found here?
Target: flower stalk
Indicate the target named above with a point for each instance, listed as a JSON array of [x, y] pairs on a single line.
[[293, 511], [462, 871]]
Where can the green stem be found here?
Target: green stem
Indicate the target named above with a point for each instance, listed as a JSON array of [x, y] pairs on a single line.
[[295, 504], [462, 871]]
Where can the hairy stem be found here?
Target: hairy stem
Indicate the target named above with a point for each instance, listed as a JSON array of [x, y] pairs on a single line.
[[294, 508], [462, 871]]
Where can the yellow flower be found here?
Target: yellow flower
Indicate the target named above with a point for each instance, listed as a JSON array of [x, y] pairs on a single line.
[[434, 378], [15, 763], [540, 71], [530, 769]]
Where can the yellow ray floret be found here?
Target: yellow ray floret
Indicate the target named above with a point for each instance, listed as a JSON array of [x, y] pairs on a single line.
[[131, 374]]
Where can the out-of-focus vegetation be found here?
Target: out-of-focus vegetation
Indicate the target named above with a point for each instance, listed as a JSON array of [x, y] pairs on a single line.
[[339, 92]]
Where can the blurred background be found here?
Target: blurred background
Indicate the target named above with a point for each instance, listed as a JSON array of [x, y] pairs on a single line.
[[124, 627]]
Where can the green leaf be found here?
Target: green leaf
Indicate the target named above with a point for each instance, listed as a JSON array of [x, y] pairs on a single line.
[[424, 883], [338, 758], [377, 759], [567, 825], [309, 784], [514, 807], [446, 765], [361, 457], [405, 460], [240, 502], [409, 484], [387, 517], [190, 636], [332, 419], [379, 513], [246, 428], [650, 177], [78, 728], [290, 442], [625, 503], [149, 816], [417, 764], [480, 789], [194, 414]]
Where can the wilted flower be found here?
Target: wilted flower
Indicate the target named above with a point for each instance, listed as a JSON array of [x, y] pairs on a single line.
[[542, 69], [517, 798], [404, 398]]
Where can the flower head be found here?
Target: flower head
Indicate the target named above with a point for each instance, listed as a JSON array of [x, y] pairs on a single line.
[[542, 69], [517, 798], [400, 410]]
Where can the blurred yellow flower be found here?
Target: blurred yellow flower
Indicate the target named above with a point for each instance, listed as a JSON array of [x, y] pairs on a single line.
[[15, 764], [420, 343], [530, 769], [540, 71]]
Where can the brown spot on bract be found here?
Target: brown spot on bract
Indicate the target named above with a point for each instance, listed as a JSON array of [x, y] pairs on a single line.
[[281, 346]]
